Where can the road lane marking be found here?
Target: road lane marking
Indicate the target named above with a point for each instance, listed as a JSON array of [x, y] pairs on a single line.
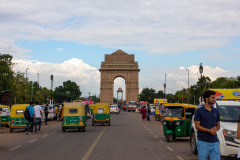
[[170, 149], [88, 153], [180, 158], [14, 148], [45, 135], [161, 141], [32, 141], [151, 132], [148, 129], [155, 136], [54, 131]]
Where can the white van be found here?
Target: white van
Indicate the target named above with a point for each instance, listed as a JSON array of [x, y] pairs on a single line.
[[229, 115]]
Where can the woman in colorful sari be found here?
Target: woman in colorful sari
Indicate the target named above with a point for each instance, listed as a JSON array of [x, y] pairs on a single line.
[[144, 111]]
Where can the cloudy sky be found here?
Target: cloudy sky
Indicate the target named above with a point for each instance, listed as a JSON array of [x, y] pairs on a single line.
[[69, 38]]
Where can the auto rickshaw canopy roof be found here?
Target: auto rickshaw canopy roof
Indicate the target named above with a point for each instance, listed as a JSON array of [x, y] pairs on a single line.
[[74, 109], [4, 106], [18, 107], [180, 105], [104, 107]]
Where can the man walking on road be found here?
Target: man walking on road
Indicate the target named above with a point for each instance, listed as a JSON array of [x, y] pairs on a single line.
[[30, 118], [38, 115], [148, 113], [207, 123], [46, 114]]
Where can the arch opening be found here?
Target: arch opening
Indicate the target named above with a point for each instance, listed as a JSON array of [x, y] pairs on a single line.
[[119, 90]]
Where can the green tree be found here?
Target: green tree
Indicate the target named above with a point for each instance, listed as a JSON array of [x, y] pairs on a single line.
[[147, 95], [160, 94], [6, 75], [68, 92]]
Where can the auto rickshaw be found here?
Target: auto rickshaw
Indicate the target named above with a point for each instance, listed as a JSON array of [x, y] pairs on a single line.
[[101, 114], [4, 115], [17, 119], [74, 116], [177, 119], [157, 113]]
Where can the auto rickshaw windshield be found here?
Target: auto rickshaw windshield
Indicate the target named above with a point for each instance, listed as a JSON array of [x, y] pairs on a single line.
[[176, 111]]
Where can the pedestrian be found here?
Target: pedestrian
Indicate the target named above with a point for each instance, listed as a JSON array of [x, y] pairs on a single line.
[[144, 111], [38, 114], [30, 119], [56, 112], [46, 114], [161, 109], [87, 111], [207, 122], [148, 113]]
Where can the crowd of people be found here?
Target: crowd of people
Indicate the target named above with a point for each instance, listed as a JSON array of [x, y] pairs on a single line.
[[34, 115]]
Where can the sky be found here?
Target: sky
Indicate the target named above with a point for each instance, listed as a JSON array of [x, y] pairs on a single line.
[[69, 38]]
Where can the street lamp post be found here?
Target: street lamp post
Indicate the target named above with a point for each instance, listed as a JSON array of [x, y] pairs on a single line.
[[51, 87], [188, 85], [201, 71], [165, 85], [38, 87], [26, 87]]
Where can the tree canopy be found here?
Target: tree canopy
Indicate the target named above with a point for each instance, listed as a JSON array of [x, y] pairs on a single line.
[[69, 91]]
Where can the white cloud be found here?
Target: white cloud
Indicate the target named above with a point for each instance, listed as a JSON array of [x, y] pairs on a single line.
[[86, 76], [59, 49], [178, 77], [8, 47], [156, 26]]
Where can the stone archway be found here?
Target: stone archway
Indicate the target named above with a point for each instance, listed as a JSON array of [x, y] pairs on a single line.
[[119, 64]]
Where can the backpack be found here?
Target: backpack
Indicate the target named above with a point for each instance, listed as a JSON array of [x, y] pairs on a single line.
[[27, 113]]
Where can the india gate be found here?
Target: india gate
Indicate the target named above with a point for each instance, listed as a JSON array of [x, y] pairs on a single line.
[[119, 64]]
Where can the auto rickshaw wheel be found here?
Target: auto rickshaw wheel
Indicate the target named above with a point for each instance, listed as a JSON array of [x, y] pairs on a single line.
[[84, 129], [93, 123], [169, 137], [7, 126], [109, 123], [79, 129], [63, 130], [11, 130]]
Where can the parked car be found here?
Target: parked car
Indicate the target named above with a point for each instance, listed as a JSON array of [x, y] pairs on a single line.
[[229, 114], [114, 109]]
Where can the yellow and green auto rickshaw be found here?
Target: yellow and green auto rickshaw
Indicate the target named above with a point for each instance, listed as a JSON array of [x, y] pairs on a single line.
[[177, 119], [17, 119], [4, 115], [101, 113], [74, 116]]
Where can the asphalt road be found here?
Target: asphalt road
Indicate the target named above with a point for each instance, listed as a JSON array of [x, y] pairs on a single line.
[[128, 138]]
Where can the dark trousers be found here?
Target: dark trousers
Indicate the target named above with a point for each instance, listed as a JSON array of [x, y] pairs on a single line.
[[46, 118], [148, 117], [30, 121], [39, 121]]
